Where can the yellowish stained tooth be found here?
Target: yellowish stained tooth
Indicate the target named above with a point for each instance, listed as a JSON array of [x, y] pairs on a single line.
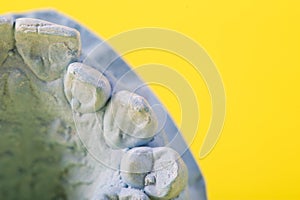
[[46, 48], [86, 89]]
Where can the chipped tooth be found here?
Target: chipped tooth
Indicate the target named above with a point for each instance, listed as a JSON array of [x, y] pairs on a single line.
[[169, 173], [86, 89], [135, 165], [7, 37], [128, 121], [46, 48], [150, 180]]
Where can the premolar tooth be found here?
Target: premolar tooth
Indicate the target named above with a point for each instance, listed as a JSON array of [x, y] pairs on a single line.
[[7, 37], [128, 121], [135, 165], [46, 48], [169, 172], [86, 89]]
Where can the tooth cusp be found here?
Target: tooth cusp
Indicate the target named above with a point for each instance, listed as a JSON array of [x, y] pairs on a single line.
[[135, 165], [128, 121], [169, 172], [159, 171], [86, 89]]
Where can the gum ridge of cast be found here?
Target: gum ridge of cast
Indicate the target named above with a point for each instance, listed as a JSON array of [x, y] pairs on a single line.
[[129, 123]]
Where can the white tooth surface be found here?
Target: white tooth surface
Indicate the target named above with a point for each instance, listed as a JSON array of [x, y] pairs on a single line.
[[86, 89], [46, 48], [7, 37], [169, 174], [135, 165], [132, 194], [128, 121]]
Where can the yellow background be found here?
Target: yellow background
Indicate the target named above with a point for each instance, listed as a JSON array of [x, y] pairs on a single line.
[[256, 47]]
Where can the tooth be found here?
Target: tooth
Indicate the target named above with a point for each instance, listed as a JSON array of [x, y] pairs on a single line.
[[135, 165], [7, 37], [86, 89], [132, 194], [128, 121], [46, 48], [169, 174]]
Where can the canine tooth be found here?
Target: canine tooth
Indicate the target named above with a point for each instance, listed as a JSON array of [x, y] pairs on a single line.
[[169, 172], [86, 89], [135, 165], [7, 37], [128, 121], [46, 48]]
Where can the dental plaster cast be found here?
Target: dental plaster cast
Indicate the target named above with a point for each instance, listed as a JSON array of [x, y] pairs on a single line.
[[66, 134]]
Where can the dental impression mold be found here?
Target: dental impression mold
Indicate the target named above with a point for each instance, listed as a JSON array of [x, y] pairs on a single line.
[[69, 129]]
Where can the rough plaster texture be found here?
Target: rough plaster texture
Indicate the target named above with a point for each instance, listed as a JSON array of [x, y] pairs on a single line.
[[54, 147]]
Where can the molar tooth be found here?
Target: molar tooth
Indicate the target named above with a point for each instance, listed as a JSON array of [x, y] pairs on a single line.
[[7, 37], [128, 121], [86, 89], [46, 48], [169, 172], [135, 165]]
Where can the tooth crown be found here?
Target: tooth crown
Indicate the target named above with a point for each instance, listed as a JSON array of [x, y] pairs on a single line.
[[86, 89], [170, 174], [138, 118], [163, 172], [128, 121], [7, 37], [45, 47], [135, 165]]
